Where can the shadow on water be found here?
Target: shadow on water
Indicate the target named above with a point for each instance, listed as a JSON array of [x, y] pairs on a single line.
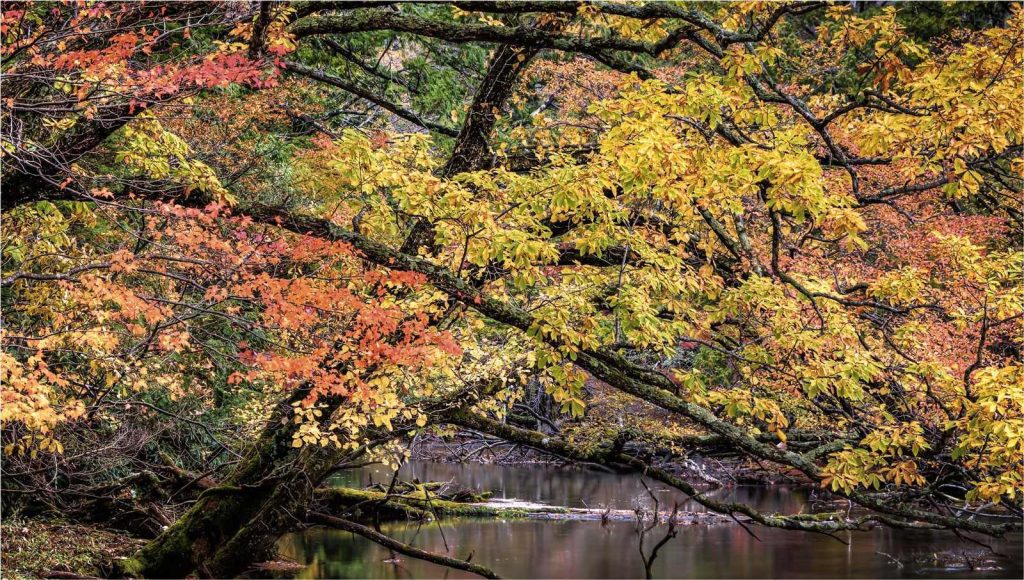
[[588, 549]]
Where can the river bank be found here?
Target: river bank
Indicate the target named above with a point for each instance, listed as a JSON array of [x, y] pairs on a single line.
[[699, 469]]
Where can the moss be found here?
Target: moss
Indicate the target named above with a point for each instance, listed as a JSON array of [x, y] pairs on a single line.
[[175, 543], [818, 517], [32, 548], [433, 490], [368, 502], [194, 537]]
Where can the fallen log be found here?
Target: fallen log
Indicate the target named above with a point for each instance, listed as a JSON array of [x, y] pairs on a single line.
[[362, 504]]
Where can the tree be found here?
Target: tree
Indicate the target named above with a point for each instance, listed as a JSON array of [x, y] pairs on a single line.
[[817, 214]]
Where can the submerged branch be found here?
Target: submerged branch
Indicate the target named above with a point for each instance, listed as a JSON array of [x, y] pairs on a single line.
[[391, 543]]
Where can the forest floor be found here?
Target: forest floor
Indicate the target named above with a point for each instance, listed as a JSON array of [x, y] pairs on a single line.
[[56, 549]]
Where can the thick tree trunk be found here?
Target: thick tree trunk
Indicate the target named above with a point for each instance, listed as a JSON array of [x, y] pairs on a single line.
[[238, 522], [472, 146]]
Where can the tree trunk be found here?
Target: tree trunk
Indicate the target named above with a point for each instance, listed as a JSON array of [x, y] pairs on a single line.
[[239, 521]]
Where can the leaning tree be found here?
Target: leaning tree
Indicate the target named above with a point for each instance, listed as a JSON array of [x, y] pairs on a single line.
[[301, 233]]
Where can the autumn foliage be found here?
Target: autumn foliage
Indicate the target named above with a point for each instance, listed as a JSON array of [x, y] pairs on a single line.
[[750, 220]]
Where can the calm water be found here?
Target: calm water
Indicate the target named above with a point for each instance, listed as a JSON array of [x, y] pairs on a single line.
[[588, 549]]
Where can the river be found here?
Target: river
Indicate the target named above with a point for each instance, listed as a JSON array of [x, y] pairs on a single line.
[[525, 548]]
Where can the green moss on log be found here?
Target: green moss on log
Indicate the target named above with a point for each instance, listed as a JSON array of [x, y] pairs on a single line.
[[366, 503]]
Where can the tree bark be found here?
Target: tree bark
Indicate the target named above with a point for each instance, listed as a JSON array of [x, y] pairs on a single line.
[[239, 521]]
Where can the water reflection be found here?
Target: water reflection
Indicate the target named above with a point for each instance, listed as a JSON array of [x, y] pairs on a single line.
[[569, 487], [588, 549]]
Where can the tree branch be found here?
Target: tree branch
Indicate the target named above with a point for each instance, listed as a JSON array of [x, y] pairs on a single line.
[[393, 544], [319, 75]]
